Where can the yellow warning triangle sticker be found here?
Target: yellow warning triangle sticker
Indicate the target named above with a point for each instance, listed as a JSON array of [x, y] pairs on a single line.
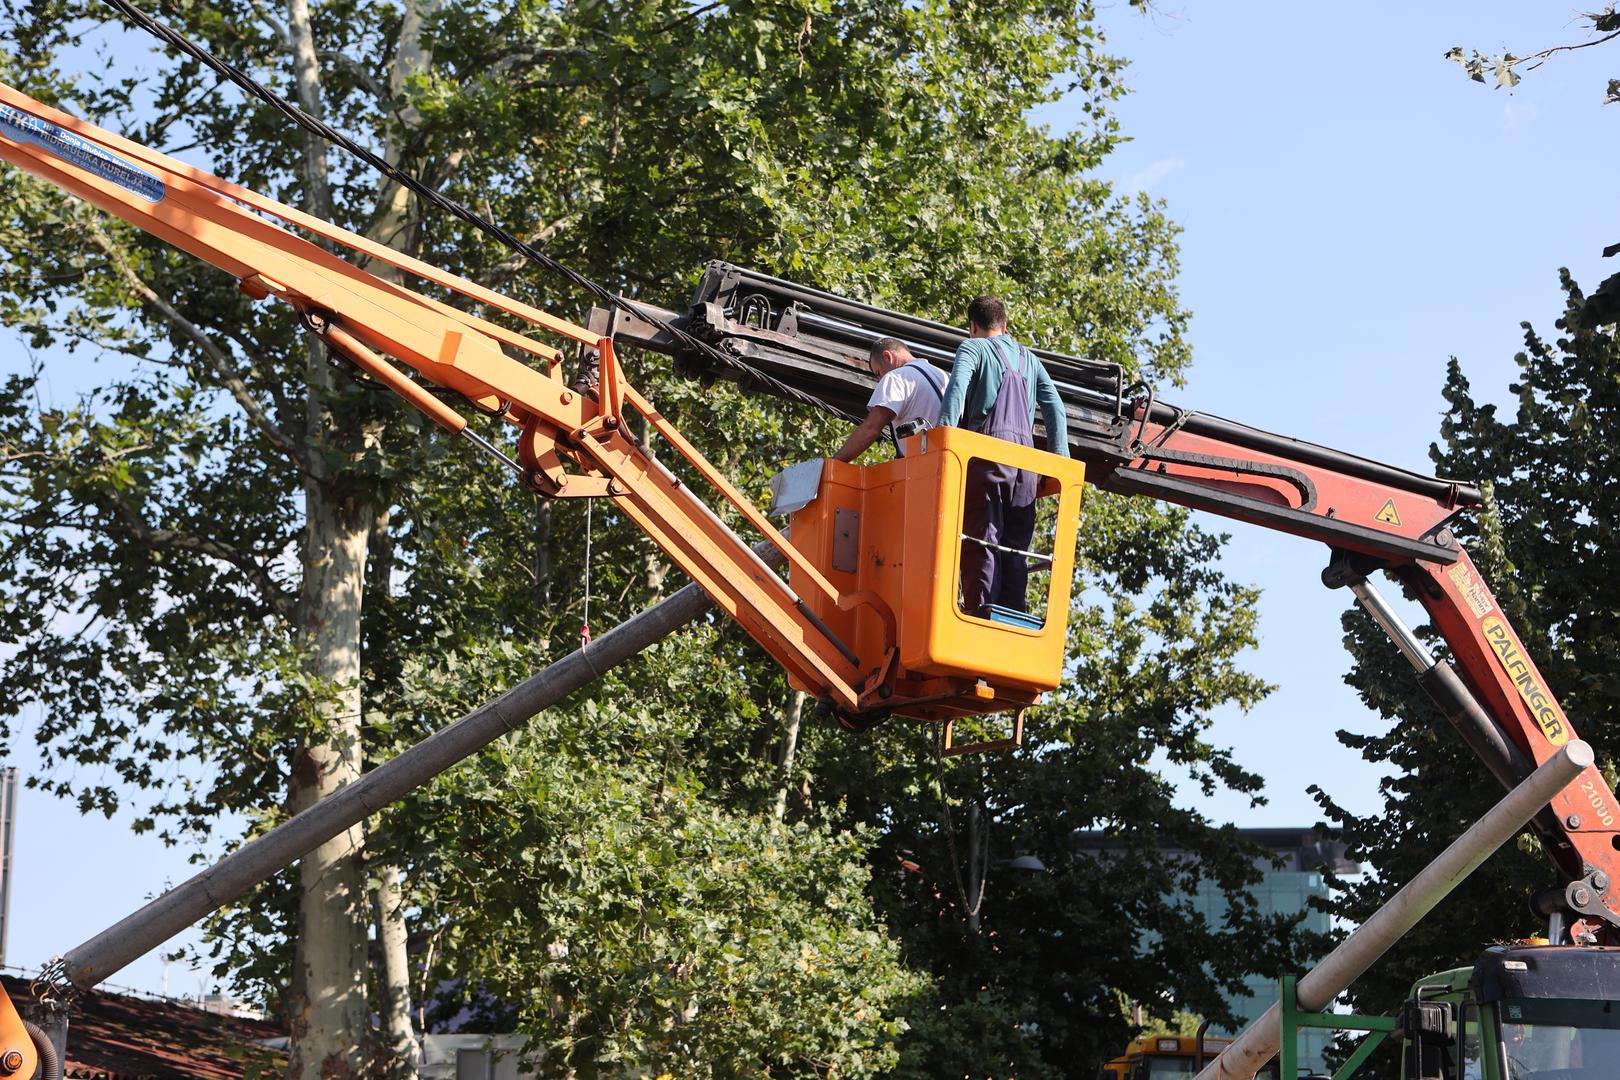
[[1389, 515]]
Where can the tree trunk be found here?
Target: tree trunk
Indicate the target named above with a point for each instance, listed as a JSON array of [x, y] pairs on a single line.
[[398, 1054], [790, 747], [329, 1012], [307, 83]]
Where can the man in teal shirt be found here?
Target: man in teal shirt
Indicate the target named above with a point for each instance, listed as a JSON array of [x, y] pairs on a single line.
[[995, 387]]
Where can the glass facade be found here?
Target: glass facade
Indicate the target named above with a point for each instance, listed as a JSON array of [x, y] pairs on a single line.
[[1285, 890]]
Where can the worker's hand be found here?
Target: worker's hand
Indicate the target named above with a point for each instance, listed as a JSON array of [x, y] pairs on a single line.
[[865, 435]]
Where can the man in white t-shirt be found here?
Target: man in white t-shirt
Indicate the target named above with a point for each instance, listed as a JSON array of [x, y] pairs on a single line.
[[907, 389]]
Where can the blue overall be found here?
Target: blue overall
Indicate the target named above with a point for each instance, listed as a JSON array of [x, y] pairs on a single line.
[[999, 504]]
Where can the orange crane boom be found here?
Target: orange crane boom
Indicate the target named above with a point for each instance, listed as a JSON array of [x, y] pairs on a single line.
[[902, 644], [570, 444]]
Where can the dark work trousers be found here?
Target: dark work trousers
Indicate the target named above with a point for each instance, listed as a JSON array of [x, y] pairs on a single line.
[[999, 504], [1000, 509]]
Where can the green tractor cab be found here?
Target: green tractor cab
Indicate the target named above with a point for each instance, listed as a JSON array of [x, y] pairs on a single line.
[[1523, 1012]]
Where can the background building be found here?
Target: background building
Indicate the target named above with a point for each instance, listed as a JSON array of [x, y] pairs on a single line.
[[113, 1036], [1292, 873]]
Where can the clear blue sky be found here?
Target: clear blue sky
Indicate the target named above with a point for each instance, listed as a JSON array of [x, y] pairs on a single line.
[[1355, 212]]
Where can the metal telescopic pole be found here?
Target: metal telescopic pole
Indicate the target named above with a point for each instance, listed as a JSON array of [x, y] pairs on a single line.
[[1258, 1043], [167, 915], [8, 844]]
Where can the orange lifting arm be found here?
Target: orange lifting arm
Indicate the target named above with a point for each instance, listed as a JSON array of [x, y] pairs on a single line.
[[568, 444], [19, 1055], [865, 648], [1581, 830]]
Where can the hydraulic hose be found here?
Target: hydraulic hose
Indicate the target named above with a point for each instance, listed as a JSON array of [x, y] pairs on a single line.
[[50, 1066]]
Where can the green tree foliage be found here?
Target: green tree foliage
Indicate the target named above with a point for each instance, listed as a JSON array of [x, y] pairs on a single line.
[[607, 903], [1540, 540], [1035, 990], [617, 881]]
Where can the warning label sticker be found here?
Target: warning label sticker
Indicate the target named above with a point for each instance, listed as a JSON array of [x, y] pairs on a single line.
[[1473, 590], [1388, 514]]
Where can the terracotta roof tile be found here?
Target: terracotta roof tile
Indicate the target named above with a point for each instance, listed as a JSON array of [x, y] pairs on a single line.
[[121, 1037]]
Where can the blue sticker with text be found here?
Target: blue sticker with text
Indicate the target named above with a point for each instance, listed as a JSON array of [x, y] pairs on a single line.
[[18, 126]]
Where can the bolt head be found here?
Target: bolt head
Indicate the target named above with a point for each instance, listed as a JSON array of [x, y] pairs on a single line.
[[1582, 896], [567, 397], [1600, 880], [11, 1061], [1573, 821]]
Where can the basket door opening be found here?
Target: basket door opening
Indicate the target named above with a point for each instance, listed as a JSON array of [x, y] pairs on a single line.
[[1007, 533]]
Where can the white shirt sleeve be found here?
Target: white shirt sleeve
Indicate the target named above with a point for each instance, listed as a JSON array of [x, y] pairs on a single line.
[[893, 391]]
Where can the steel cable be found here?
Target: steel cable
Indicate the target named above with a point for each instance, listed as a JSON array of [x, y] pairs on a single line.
[[316, 126]]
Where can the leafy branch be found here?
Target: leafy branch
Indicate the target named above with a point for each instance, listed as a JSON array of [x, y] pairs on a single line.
[[1503, 67], [219, 362], [142, 532], [1603, 306]]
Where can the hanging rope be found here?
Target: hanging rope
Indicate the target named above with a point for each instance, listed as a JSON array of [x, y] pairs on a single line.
[[585, 623], [971, 907], [747, 374]]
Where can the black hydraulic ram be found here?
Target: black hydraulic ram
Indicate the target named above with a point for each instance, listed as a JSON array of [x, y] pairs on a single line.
[[816, 342]]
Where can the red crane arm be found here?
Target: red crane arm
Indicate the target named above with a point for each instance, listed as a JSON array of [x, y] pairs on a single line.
[[1371, 515], [1494, 693]]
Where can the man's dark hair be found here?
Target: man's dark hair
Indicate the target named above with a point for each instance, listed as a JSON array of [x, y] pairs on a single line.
[[887, 344], [988, 313]]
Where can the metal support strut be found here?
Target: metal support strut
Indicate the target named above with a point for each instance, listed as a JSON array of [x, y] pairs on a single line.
[[253, 862], [1416, 653], [1446, 689], [1259, 1042]]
